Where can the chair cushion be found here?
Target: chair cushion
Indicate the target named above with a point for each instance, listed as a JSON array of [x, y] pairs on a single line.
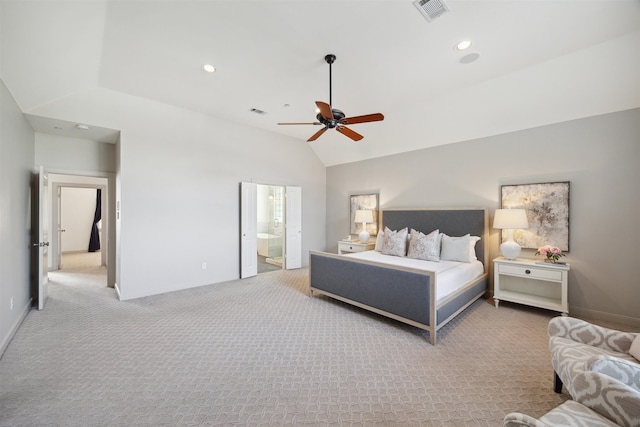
[[635, 348], [569, 358], [572, 413]]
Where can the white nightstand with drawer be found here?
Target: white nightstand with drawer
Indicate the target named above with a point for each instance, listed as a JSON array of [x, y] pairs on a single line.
[[524, 281], [345, 246]]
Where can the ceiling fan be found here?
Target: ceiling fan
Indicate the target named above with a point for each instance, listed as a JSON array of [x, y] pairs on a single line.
[[333, 118]]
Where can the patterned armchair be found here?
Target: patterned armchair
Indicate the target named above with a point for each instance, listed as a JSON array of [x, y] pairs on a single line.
[[578, 346], [600, 401], [601, 376], [570, 413]]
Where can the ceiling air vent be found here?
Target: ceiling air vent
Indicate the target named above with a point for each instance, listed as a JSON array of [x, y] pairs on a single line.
[[431, 9], [255, 110]]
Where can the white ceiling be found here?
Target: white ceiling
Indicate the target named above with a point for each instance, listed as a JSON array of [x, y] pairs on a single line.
[[536, 60]]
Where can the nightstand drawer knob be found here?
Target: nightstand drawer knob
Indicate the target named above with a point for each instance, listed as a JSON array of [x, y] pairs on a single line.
[[528, 271]]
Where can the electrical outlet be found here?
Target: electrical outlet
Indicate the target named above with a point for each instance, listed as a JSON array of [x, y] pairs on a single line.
[[11, 303], [204, 265]]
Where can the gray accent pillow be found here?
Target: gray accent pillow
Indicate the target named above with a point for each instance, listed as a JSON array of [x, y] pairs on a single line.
[[426, 247], [394, 242]]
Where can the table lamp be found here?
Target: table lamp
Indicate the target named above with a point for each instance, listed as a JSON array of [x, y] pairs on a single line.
[[510, 219], [364, 216]]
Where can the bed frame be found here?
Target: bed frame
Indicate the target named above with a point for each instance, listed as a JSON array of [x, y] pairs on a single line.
[[404, 294]]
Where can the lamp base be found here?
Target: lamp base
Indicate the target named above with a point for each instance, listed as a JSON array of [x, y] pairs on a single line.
[[510, 249], [364, 237]]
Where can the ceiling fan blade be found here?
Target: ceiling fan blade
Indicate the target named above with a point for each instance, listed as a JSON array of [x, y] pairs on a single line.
[[362, 119], [301, 123], [325, 110], [317, 134], [348, 132]]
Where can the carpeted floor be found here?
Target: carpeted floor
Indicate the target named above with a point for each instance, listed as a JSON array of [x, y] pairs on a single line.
[[259, 351]]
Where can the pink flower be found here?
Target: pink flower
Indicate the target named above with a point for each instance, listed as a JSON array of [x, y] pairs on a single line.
[[550, 252]]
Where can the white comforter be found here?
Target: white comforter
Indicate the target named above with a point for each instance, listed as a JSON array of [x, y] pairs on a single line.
[[450, 275]]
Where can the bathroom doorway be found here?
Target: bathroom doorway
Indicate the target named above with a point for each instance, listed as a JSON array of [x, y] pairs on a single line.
[[270, 227]]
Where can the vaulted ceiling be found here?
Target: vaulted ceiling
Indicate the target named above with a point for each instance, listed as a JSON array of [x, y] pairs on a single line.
[[536, 62]]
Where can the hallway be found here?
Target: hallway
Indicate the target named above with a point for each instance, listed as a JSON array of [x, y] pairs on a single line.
[[80, 270]]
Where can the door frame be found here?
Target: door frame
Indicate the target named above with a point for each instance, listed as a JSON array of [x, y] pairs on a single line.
[[105, 181], [248, 263]]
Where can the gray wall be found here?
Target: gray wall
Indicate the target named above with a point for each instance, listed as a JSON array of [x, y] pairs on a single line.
[[16, 162], [74, 155], [177, 188], [600, 156]]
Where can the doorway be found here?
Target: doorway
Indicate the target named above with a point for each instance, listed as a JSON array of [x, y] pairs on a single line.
[[279, 224], [73, 201], [77, 207], [270, 227]]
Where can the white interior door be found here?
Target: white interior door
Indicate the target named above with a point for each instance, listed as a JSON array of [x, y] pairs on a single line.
[[293, 228], [248, 229], [57, 252], [39, 239]]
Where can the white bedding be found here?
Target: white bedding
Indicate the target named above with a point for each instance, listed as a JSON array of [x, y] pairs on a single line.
[[450, 275]]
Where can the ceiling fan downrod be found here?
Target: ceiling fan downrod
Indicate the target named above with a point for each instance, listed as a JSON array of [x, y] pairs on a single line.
[[330, 59]]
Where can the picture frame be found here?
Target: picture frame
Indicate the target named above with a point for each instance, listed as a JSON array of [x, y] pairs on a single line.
[[363, 201], [547, 207]]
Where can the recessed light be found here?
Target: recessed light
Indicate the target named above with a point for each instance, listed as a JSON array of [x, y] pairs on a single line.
[[83, 127], [463, 45], [209, 68]]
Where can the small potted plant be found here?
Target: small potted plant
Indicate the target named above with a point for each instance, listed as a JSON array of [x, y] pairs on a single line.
[[550, 253]]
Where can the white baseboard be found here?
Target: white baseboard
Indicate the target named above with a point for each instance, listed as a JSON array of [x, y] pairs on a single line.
[[14, 328], [588, 314]]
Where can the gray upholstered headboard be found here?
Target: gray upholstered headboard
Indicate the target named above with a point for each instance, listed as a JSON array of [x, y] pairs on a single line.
[[454, 222]]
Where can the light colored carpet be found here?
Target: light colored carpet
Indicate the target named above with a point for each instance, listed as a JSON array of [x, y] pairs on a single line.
[[259, 351]]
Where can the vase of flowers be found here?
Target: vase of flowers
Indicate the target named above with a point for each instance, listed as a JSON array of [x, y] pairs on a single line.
[[550, 253]]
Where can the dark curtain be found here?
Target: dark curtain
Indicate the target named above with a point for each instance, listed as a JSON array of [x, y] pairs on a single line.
[[94, 240]]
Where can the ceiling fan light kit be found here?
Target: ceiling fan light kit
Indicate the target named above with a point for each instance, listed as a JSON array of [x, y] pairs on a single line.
[[332, 118]]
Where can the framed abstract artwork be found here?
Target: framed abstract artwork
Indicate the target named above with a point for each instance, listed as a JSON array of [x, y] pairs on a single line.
[[547, 207], [367, 202]]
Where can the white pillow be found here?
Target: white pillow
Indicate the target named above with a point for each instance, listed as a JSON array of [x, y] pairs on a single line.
[[635, 347], [394, 242], [472, 247], [379, 241], [426, 247], [459, 248]]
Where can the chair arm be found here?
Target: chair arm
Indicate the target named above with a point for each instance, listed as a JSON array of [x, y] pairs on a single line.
[[625, 371], [516, 419], [587, 333], [608, 397]]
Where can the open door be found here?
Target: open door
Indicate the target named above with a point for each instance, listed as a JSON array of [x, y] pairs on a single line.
[[293, 228], [248, 229], [39, 240]]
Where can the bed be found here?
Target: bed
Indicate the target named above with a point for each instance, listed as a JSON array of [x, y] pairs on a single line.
[[406, 291]]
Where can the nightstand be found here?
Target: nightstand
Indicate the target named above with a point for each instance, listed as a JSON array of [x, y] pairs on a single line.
[[345, 246], [524, 281]]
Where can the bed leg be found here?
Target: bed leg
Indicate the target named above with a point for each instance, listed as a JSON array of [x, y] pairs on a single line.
[[432, 338]]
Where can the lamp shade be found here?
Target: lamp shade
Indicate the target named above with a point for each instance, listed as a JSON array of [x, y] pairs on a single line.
[[363, 215], [510, 219]]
